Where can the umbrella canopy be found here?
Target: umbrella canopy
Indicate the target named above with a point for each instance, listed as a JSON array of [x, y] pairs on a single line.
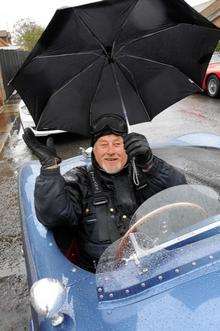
[[115, 56]]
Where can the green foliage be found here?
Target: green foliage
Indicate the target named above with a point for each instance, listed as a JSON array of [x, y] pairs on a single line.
[[218, 47], [26, 33]]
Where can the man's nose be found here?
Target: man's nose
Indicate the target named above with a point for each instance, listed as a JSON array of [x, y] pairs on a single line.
[[111, 149]]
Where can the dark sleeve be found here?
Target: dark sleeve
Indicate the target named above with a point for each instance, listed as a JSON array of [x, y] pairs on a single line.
[[57, 202], [161, 175]]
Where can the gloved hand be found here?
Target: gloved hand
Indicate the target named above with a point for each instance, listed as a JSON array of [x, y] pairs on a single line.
[[136, 145], [46, 154]]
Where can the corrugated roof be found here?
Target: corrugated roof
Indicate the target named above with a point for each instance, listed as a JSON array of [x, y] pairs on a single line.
[[203, 5], [4, 33]]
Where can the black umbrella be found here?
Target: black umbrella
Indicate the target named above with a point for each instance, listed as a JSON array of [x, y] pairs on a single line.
[[131, 57]]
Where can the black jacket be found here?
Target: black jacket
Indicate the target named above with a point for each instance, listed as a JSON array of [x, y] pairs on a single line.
[[69, 200]]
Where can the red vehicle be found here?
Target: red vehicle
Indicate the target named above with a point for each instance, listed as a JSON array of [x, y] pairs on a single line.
[[211, 83]]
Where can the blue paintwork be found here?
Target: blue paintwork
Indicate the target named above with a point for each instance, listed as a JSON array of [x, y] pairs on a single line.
[[185, 300]]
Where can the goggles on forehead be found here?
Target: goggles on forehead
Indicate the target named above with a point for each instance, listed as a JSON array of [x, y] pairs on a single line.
[[112, 123]]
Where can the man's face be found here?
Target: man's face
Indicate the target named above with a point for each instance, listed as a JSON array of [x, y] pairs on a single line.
[[110, 154]]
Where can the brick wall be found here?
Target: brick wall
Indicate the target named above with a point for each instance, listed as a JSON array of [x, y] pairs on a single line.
[[217, 21], [2, 92]]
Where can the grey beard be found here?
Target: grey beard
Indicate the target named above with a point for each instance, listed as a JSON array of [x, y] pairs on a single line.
[[113, 171]]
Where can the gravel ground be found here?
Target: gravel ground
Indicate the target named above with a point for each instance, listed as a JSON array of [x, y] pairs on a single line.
[[14, 305], [14, 301]]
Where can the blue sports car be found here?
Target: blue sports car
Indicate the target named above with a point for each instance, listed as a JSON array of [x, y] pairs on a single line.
[[164, 274]]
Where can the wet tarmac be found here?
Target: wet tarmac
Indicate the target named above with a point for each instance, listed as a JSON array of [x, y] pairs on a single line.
[[197, 113], [193, 114], [13, 289]]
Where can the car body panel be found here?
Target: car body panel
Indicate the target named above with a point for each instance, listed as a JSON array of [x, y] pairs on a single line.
[[187, 300]]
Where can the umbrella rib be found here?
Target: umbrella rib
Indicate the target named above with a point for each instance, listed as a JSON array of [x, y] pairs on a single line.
[[91, 32], [145, 36], [136, 88], [62, 87], [145, 59], [70, 54], [74, 77], [123, 24], [163, 64]]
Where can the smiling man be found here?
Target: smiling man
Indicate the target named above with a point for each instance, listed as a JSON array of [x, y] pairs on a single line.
[[98, 201], [110, 154]]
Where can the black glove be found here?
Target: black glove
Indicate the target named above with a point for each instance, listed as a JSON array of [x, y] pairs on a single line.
[[46, 154], [136, 145]]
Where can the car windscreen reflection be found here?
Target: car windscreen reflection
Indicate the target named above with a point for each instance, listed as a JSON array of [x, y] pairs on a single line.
[[174, 232]]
